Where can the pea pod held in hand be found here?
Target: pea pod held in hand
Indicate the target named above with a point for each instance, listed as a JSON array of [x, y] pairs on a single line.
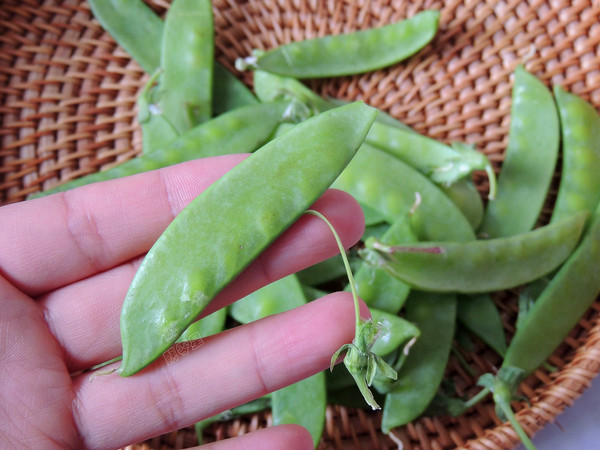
[[483, 265], [226, 227], [350, 53]]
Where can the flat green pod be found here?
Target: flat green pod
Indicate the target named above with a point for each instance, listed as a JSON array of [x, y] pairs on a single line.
[[226, 227]]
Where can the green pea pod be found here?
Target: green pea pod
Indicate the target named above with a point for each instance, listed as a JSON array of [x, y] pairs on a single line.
[[226, 227], [325, 271], [376, 286], [157, 130], [372, 216], [134, 26], [376, 231], [529, 160], [423, 369], [187, 58], [142, 39], [270, 87], [229, 93], [560, 305], [483, 265], [480, 315], [382, 117], [385, 183], [579, 188], [277, 297], [303, 403], [394, 332], [312, 293], [442, 163], [242, 130], [207, 326], [462, 192], [466, 197], [351, 53]]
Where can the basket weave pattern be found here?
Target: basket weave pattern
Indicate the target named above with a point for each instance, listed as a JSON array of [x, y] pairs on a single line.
[[67, 108]]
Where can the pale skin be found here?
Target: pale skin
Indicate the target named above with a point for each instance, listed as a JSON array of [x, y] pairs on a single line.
[[66, 262]]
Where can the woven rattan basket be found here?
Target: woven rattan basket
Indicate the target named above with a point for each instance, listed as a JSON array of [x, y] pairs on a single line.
[[67, 108]]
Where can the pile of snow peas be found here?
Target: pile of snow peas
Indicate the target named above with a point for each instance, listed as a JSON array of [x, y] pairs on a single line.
[[433, 252]]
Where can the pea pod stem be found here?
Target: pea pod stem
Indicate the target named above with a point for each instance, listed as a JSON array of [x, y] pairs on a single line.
[[360, 361], [346, 266], [477, 398]]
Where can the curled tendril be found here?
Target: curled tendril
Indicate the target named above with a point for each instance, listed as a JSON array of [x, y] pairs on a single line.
[[360, 361]]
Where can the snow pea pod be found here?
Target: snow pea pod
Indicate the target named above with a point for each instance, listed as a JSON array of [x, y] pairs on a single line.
[[187, 56], [242, 130], [134, 26], [277, 297], [529, 161], [372, 216], [270, 87], [157, 130], [350, 53], [226, 227], [482, 265], [422, 371], [390, 186], [301, 403], [442, 163], [466, 197], [377, 287], [556, 311], [579, 188], [228, 92], [207, 326], [479, 314], [560, 305], [394, 331]]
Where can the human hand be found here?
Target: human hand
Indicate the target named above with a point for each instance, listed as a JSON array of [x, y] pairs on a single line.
[[66, 262]]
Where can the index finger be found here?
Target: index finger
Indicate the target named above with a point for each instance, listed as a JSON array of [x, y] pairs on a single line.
[[53, 241]]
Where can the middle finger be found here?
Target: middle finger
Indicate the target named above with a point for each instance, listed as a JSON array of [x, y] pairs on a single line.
[[84, 316]]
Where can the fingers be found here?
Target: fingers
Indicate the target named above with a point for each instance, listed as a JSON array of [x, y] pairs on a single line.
[[84, 316], [226, 370], [272, 438], [52, 241]]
